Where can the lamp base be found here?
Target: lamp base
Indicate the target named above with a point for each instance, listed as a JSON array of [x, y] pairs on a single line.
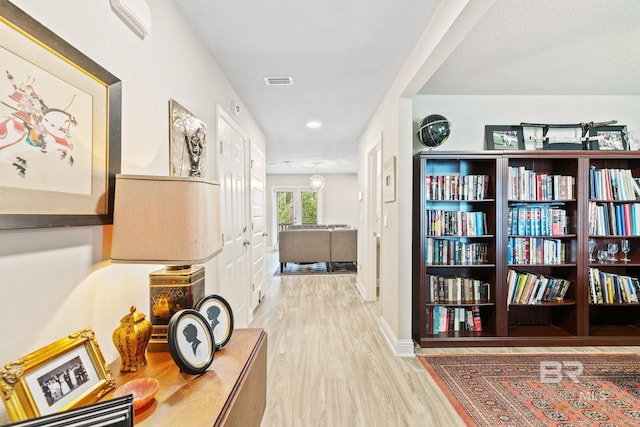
[[171, 289]]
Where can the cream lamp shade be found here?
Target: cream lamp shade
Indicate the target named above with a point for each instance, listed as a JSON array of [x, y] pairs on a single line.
[[165, 220]]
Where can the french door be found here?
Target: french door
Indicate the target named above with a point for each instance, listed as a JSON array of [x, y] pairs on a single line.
[[296, 205]]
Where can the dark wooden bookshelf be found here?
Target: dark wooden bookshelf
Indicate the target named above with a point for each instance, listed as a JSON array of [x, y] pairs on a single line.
[[575, 320]]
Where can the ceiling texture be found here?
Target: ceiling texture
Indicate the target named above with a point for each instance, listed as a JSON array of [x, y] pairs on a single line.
[[343, 55]]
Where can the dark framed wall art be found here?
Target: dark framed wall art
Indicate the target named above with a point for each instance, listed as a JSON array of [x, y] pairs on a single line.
[[60, 119]]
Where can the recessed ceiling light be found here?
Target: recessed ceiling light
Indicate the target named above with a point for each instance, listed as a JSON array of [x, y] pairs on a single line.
[[314, 124]]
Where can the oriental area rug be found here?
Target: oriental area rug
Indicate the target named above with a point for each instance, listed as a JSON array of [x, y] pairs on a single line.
[[540, 390]]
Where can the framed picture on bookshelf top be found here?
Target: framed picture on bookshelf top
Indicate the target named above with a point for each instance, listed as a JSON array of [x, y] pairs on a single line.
[[504, 137], [608, 138]]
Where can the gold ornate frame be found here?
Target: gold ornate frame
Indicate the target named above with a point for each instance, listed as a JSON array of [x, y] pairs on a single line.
[[17, 379]]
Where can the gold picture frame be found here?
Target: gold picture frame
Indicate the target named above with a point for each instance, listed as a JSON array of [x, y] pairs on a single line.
[[65, 374], [60, 120]]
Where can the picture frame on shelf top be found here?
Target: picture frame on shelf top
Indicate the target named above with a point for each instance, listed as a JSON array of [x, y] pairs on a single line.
[[501, 137], [609, 138]]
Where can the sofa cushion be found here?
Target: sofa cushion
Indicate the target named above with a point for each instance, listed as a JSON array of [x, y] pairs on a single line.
[[305, 246], [344, 245]]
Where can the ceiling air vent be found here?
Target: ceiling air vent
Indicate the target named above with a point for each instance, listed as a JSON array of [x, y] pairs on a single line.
[[278, 81]]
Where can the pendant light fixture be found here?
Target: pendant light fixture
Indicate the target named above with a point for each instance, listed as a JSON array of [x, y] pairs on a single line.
[[316, 181]]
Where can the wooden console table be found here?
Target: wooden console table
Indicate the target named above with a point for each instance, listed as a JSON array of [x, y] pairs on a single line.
[[232, 392]]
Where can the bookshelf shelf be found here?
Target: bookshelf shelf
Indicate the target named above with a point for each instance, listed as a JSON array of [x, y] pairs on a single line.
[[458, 266], [545, 304], [544, 189], [460, 304], [538, 331]]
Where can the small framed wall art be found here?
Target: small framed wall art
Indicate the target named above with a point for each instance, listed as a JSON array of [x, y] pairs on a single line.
[[389, 180], [188, 142], [68, 373], [504, 137], [190, 341], [218, 311]]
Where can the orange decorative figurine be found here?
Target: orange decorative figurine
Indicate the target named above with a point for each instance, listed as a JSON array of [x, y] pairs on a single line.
[[131, 339]]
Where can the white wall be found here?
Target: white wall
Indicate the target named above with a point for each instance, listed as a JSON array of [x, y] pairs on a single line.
[[57, 281], [469, 114], [339, 198]]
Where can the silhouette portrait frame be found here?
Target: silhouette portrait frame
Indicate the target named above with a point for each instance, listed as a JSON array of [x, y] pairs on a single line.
[[217, 310], [74, 363], [190, 341]]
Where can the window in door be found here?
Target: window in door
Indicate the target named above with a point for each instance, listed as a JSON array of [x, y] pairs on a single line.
[[296, 206], [284, 206], [309, 207]]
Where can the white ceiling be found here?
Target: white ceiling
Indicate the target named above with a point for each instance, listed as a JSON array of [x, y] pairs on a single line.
[[344, 54], [547, 47]]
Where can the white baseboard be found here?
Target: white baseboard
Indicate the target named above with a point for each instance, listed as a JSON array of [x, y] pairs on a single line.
[[401, 348]]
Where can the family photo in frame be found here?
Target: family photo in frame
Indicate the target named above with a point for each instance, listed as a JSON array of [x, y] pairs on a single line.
[[65, 374]]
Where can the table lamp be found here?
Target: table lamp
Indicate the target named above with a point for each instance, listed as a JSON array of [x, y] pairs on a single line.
[[173, 221]]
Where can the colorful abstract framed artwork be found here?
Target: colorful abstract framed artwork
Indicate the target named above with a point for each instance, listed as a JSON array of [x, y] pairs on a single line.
[[60, 118], [68, 373]]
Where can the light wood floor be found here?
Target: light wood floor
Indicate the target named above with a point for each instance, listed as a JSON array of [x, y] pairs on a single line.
[[328, 363]]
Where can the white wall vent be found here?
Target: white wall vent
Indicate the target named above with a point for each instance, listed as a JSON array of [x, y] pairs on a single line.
[[135, 13], [278, 81]]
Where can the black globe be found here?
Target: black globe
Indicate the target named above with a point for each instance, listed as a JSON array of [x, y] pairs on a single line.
[[434, 130]]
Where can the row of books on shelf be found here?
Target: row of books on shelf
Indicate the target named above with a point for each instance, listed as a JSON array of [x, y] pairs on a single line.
[[537, 221], [613, 184], [456, 187], [614, 219], [443, 319], [609, 288], [531, 288], [455, 252], [535, 250], [455, 223], [527, 184], [456, 289]]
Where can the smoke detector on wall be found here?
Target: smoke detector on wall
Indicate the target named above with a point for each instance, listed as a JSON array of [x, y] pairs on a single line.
[[135, 13]]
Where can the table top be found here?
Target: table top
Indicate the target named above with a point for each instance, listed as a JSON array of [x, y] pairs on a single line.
[[194, 400]]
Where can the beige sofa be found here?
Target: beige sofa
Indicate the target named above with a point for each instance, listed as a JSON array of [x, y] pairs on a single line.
[[318, 245]]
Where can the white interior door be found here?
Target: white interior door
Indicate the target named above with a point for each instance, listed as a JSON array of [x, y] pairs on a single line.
[[234, 284], [371, 290], [258, 230]]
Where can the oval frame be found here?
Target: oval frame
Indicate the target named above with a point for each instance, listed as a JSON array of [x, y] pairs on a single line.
[[191, 357], [224, 328]]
